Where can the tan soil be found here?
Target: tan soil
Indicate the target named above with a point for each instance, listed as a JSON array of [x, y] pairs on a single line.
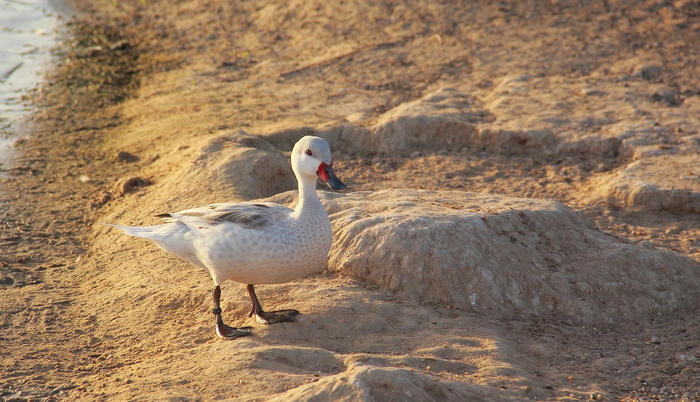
[[592, 104]]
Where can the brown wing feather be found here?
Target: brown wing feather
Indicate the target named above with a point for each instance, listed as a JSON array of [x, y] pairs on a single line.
[[248, 216]]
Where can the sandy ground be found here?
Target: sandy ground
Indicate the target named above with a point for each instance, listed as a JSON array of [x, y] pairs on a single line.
[[592, 104]]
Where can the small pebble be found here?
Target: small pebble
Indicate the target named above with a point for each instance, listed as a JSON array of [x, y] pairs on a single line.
[[668, 96], [648, 72], [592, 92], [127, 157]]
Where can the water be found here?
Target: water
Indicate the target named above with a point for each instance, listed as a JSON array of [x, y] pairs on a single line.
[[28, 31]]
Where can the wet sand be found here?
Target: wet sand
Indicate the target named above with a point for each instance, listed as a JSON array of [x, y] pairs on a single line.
[[28, 31]]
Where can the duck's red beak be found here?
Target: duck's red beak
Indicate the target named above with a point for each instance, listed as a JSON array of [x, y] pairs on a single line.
[[325, 173]]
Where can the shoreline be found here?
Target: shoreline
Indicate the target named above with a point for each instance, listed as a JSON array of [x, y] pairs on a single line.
[[164, 94], [26, 24]]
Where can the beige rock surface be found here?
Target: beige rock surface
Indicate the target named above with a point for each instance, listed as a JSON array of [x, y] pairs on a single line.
[[660, 183], [503, 256], [368, 383]]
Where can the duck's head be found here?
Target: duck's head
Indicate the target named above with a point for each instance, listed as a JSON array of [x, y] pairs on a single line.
[[311, 157]]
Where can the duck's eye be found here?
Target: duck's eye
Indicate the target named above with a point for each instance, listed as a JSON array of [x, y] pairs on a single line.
[[308, 152]]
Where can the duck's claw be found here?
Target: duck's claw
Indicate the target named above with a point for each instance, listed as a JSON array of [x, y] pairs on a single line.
[[227, 332], [271, 317]]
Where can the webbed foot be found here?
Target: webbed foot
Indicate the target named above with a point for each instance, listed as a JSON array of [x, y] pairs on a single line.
[[226, 332], [272, 317]]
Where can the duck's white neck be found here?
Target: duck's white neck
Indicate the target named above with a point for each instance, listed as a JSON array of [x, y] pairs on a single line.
[[308, 199]]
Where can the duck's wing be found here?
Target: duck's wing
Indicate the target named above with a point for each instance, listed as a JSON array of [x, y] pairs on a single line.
[[244, 214]]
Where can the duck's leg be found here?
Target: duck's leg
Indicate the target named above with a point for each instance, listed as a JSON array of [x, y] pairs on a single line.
[[222, 329], [268, 317]]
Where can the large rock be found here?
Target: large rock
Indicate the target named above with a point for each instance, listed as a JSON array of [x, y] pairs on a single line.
[[246, 166], [444, 119], [646, 184], [507, 257], [369, 383]]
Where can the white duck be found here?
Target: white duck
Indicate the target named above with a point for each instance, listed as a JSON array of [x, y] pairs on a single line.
[[255, 243]]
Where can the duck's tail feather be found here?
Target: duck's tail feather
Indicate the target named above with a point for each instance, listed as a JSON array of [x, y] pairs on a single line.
[[146, 232]]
